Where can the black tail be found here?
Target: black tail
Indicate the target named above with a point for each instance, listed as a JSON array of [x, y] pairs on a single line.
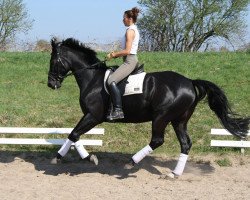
[[218, 103]]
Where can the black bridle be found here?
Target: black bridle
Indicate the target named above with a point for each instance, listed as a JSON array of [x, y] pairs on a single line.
[[56, 76]]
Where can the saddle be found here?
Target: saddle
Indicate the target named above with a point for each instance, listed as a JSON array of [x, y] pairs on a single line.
[[138, 69], [128, 82]]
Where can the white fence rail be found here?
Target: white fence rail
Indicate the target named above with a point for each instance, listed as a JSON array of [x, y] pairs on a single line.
[[228, 143], [28, 141]]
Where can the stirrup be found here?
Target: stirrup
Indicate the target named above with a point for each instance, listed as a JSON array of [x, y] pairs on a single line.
[[117, 113]]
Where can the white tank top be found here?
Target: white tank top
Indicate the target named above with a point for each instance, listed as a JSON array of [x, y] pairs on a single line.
[[135, 42]]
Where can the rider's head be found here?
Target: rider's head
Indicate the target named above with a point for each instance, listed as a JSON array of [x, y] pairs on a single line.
[[130, 16]]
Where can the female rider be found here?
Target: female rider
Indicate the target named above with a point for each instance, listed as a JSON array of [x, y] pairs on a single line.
[[130, 43]]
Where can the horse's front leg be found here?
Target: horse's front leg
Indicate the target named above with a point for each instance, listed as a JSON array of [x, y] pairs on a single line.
[[85, 124]]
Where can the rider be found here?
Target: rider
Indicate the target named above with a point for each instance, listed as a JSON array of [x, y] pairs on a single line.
[[129, 45]]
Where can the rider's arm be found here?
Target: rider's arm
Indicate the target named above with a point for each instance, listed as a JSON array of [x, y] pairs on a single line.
[[130, 35]]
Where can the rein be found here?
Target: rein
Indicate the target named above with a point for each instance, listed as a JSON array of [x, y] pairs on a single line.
[[98, 64]]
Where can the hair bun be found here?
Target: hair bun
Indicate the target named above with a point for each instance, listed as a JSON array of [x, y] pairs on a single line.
[[136, 11]]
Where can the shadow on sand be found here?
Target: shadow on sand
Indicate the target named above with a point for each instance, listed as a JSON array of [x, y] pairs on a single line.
[[109, 163]]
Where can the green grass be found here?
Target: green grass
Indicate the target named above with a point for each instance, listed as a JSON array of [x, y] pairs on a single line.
[[224, 162], [26, 101]]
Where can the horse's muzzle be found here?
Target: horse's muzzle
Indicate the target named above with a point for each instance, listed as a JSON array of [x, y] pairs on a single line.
[[54, 84]]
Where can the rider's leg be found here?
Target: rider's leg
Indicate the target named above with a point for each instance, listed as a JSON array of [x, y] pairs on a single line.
[[115, 94], [130, 62], [122, 72]]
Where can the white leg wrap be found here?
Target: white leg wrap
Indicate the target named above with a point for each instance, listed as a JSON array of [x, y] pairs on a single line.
[[81, 150], [65, 147], [142, 154], [181, 164]]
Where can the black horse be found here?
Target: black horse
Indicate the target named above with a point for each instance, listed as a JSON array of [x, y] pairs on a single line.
[[167, 97]]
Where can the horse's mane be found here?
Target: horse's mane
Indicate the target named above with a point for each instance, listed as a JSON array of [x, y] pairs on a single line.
[[78, 46]]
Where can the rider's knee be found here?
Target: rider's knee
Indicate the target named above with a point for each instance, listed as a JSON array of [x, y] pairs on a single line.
[[110, 80]]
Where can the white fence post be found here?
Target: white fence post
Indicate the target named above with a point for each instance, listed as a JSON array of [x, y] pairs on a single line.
[[229, 143]]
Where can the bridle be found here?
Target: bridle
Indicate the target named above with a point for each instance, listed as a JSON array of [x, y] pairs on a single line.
[[56, 76]]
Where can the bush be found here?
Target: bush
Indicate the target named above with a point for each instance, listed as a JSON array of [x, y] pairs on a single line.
[[43, 46]]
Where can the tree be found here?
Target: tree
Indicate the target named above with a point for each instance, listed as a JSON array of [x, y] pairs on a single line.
[[13, 19], [186, 25]]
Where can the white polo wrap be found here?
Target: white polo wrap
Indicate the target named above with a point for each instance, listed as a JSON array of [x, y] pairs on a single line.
[[81, 150], [142, 154], [65, 147], [181, 164]]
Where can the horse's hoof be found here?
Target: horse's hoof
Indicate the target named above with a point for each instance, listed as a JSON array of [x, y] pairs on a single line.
[[55, 161], [93, 158], [129, 165], [169, 176]]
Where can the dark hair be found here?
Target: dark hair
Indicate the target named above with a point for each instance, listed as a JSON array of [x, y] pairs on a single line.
[[133, 13]]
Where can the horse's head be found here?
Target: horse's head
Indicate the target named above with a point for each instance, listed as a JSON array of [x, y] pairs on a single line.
[[71, 55], [58, 65]]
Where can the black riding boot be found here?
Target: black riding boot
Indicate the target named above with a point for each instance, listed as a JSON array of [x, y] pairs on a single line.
[[116, 112]]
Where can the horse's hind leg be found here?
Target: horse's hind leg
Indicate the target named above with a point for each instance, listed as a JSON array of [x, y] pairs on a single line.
[[158, 129], [180, 127]]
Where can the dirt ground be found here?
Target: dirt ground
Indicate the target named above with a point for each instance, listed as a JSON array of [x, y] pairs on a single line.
[[31, 176]]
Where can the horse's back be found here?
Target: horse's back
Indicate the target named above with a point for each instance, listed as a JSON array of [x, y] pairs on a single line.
[[169, 77], [166, 80], [169, 88], [161, 91]]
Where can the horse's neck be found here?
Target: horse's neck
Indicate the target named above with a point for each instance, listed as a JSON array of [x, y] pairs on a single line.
[[89, 78], [85, 78]]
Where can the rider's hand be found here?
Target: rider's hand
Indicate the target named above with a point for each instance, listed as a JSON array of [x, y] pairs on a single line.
[[110, 56]]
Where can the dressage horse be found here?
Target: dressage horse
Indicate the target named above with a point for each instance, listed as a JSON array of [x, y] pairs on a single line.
[[167, 97]]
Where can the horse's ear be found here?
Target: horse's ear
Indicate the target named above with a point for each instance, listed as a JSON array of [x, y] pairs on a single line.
[[54, 42]]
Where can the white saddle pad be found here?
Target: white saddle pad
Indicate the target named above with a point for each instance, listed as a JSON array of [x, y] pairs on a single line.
[[134, 85]]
